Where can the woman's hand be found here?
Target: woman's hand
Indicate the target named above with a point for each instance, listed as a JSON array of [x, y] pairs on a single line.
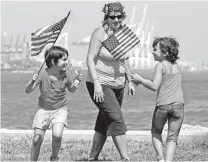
[[131, 89], [98, 92]]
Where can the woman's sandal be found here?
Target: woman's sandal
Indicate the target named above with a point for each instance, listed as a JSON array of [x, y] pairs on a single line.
[[92, 159], [54, 159]]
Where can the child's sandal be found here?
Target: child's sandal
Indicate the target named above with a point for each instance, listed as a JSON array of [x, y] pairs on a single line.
[[126, 159]]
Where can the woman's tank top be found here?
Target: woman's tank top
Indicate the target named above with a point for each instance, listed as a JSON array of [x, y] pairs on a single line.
[[110, 72]]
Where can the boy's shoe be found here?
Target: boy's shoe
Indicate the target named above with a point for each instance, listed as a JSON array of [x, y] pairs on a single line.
[[54, 159], [92, 159]]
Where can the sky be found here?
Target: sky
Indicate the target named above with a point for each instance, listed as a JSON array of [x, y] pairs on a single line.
[[186, 21]]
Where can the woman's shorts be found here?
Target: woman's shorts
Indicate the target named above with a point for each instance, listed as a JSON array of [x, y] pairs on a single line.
[[110, 119], [174, 113], [45, 119]]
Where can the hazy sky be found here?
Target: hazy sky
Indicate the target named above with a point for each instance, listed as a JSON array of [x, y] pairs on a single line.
[[187, 21]]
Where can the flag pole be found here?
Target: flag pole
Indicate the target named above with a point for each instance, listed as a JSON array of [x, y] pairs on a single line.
[[54, 43], [127, 70]]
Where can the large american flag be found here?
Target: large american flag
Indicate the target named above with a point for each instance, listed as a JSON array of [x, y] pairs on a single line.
[[46, 35], [121, 42]]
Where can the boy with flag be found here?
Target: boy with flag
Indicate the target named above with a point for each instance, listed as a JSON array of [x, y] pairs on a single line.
[[52, 105]]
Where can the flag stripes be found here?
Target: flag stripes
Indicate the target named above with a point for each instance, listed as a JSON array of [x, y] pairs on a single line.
[[121, 42], [45, 39], [46, 35]]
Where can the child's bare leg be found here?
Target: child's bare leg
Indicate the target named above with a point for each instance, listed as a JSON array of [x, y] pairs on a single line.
[[170, 151], [157, 143], [174, 126], [36, 143], [57, 132]]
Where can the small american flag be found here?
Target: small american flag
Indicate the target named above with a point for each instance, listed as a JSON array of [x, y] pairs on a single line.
[[121, 42], [46, 35]]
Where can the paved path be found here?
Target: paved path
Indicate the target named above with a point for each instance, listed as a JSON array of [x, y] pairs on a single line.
[[88, 135]]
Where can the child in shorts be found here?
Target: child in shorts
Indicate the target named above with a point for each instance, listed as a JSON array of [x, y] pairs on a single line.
[[52, 105]]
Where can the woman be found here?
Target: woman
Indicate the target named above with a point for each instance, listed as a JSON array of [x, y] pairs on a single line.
[[105, 83]]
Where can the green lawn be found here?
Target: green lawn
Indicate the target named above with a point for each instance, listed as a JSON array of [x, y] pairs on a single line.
[[78, 150]]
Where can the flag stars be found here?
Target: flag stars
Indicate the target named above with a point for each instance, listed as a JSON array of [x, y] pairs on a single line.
[[59, 25], [111, 43]]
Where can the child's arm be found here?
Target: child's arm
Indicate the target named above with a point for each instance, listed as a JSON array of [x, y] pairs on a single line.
[[151, 84], [71, 88], [32, 84]]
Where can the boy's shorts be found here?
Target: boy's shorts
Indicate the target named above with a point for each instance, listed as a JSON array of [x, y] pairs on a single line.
[[44, 119]]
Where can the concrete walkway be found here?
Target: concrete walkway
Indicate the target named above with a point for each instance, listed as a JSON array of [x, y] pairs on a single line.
[[88, 135]]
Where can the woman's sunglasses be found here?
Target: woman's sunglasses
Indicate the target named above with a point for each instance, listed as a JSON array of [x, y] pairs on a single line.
[[113, 17]]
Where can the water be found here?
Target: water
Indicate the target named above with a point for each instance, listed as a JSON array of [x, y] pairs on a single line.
[[18, 108]]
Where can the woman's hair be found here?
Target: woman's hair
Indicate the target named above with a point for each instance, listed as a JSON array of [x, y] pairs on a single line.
[[116, 6], [168, 45], [55, 53]]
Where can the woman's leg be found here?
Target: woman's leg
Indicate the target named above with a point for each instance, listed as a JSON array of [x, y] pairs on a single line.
[[100, 136], [57, 132], [174, 125], [97, 145], [120, 142], [117, 127], [110, 118], [36, 143]]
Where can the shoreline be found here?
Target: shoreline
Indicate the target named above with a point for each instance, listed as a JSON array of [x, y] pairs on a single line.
[[184, 136]]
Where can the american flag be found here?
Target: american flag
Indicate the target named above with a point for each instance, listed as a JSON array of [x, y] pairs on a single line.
[[121, 42], [46, 35]]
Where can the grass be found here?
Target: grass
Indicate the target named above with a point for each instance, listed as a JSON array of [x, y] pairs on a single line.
[[78, 150]]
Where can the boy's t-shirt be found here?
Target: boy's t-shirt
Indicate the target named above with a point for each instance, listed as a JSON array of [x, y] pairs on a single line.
[[52, 91]]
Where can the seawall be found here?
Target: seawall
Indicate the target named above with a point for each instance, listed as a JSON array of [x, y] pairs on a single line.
[[185, 135]]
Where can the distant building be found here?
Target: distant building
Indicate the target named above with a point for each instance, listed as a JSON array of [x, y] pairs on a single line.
[[78, 64], [141, 59]]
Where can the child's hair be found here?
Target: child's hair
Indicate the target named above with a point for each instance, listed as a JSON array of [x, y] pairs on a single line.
[[168, 45], [54, 53]]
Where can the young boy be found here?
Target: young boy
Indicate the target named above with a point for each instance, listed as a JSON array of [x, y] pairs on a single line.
[[52, 106]]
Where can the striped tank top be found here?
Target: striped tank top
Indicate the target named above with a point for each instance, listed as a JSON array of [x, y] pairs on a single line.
[[109, 71], [170, 90]]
